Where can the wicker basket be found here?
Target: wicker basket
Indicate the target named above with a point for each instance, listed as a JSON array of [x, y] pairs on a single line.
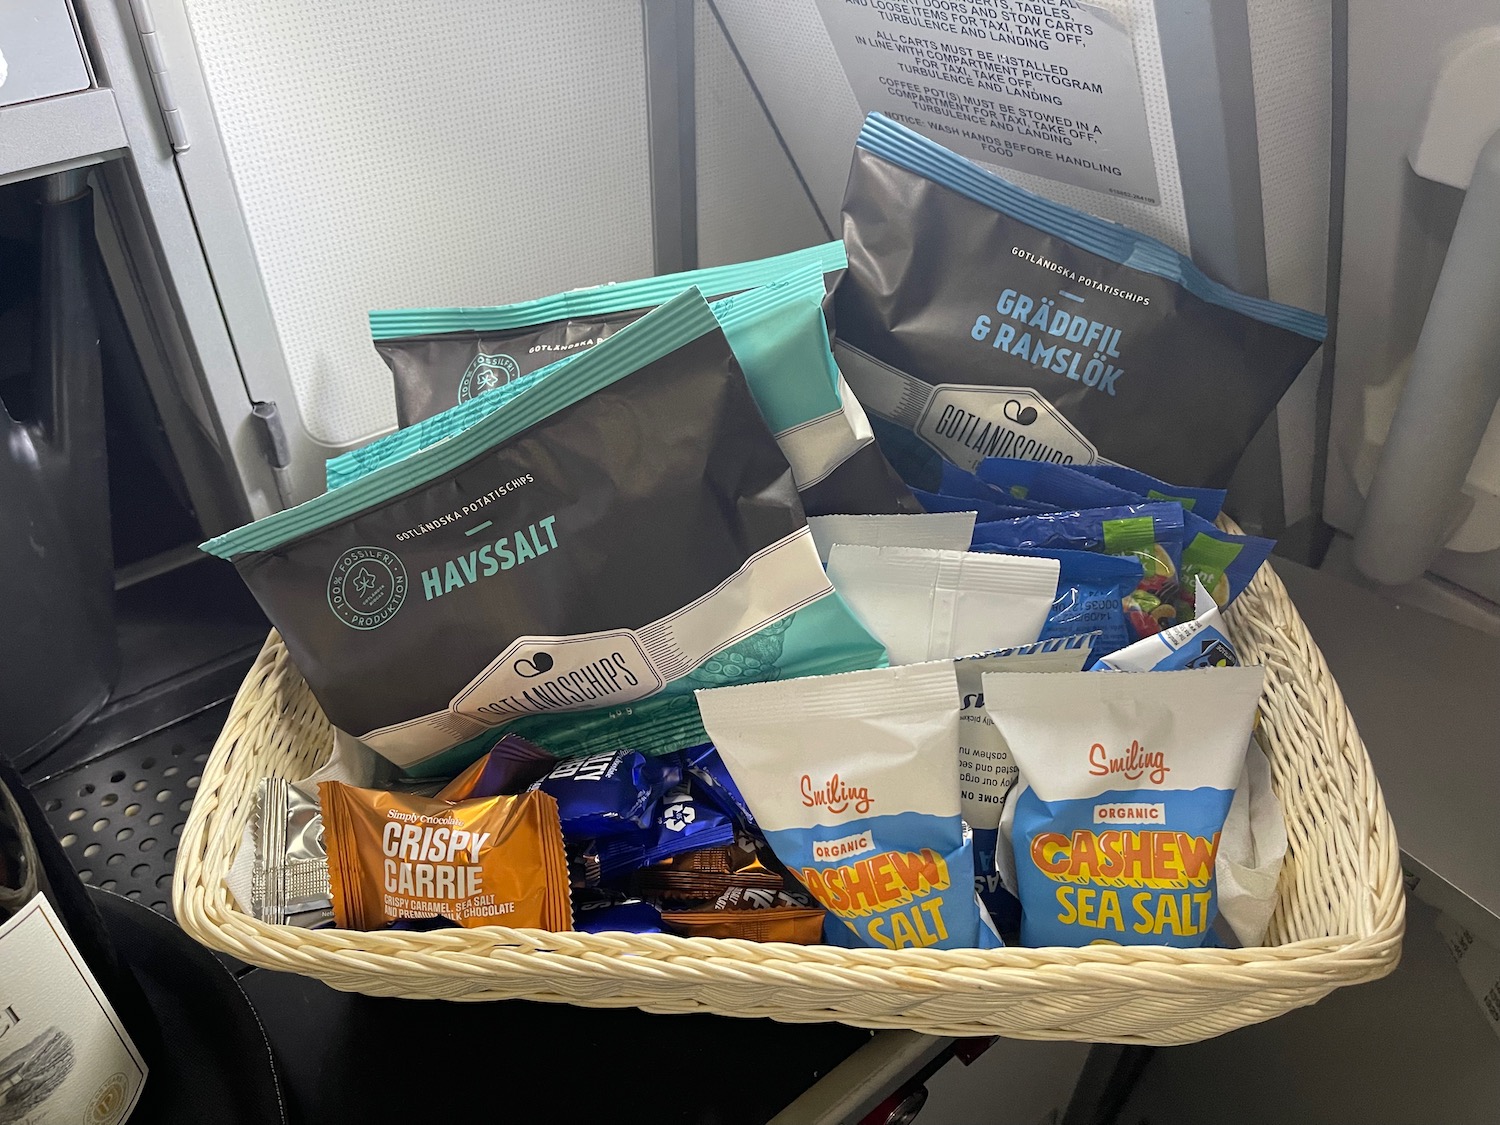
[[1339, 920]]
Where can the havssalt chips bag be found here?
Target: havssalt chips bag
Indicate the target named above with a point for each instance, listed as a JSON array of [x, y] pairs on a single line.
[[778, 334], [558, 561], [986, 321]]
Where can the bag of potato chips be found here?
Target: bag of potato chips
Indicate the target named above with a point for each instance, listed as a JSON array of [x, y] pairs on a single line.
[[979, 320], [557, 561]]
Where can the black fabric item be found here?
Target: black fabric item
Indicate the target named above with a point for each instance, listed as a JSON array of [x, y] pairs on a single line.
[[215, 1064], [58, 654]]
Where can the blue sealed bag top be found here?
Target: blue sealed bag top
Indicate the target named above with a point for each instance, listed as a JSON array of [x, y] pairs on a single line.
[[979, 320], [1091, 593], [984, 511], [1203, 502], [958, 482], [1225, 562], [1125, 783], [854, 782]]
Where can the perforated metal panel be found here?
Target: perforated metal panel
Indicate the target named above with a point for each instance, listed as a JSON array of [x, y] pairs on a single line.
[[119, 817], [750, 203], [421, 152], [787, 50]]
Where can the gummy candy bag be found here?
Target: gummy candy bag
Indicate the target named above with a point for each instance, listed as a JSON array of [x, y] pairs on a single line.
[[1151, 533]]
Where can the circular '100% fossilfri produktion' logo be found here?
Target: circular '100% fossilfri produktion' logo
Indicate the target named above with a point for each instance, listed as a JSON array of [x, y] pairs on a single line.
[[485, 373], [366, 587]]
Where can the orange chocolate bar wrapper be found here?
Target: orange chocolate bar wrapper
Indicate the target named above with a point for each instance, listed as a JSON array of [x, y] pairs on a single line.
[[492, 861]]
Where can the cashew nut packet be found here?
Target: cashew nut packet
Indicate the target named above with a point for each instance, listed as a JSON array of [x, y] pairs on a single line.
[[853, 780], [1125, 784], [490, 861], [979, 320], [774, 315], [569, 568]]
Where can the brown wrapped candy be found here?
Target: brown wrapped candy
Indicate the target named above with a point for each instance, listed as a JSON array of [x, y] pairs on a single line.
[[795, 924], [669, 881], [491, 861]]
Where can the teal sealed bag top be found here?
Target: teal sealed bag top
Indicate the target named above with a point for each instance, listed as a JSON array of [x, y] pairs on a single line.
[[557, 568], [780, 338], [1125, 782], [977, 319], [442, 357]]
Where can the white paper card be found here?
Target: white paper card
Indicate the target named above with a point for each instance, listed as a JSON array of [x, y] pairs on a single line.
[[1047, 87], [64, 1055]]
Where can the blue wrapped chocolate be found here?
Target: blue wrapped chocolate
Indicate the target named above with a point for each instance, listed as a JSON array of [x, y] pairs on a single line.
[[684, 822], [706, 768], [609, 794], [602, 912]]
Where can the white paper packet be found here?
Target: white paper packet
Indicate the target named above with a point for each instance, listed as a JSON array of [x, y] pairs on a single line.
[[1251, 851], [930, 605], [986, 773], [939, 531]]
